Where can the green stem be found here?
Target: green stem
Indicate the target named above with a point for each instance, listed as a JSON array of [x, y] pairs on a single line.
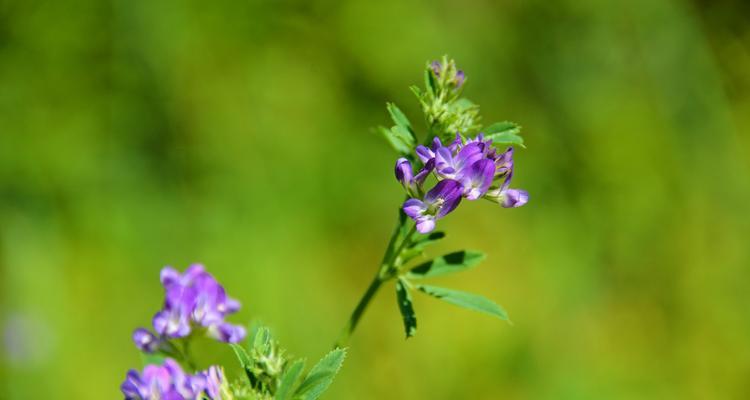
[[387, 271]]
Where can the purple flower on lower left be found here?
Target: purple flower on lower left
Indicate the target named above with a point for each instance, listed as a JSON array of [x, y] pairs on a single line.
[[194, 300], [169, 382]]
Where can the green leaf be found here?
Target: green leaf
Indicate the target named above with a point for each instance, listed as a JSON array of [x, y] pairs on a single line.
[[447, 264], [429, 81], [321, 375], [504, 133], [399, 118], [405, 306], [396, 139], [242, 355], [500, 127], [417, 91], [289, 379], [262, 340], [463, 104], [465, 300]]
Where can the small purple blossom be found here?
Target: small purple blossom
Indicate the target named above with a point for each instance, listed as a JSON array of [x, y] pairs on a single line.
[[470, 169], [436, 68], [145, 341], [437, 203], [193, 300], [460, 78], [169, 382], [214, 380], [412, 183]]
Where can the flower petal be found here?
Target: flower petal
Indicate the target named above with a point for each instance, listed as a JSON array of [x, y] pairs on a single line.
[[404, 172], [513, 198], [477, 178], [425, 224], [414, 208]]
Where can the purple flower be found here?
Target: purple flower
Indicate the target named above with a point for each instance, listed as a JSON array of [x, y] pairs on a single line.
[[412, 183], [214, 381], [449, 164], [477, 178], [169, 382], [506, 197], [226, 332], [512, 198], [192, 299], [460, 78], [436, 68], [469, 168], [163, 382], [437, 203], [145, 341]]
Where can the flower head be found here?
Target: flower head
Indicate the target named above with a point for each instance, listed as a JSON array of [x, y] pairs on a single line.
[[437, 203], [145, 340], [470, 169], [193, 300], [167, 381]]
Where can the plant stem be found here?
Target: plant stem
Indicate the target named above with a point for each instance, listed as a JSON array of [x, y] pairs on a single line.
[[384, 273]]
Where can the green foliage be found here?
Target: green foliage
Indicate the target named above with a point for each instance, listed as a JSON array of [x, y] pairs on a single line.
[[272, 375], [403, 297], [398, 138], [447, 264], [401, 135], [289, 380], [321, 375], [400, 119], [244, 358], [465, 300], [504, 133]]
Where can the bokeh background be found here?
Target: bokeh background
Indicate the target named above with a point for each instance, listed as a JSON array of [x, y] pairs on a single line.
[[137, 134]]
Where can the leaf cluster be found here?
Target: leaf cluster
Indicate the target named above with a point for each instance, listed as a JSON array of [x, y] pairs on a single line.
[[410, 278], [270, 375], [446, 113]]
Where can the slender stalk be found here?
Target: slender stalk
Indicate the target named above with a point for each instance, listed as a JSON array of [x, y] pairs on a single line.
[[386, 272]]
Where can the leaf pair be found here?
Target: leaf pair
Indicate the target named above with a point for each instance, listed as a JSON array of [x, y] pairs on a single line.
[[290, 384], [401, 136], [443, 265]]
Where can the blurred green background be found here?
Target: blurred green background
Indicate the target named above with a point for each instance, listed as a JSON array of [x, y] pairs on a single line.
[[137, 134]]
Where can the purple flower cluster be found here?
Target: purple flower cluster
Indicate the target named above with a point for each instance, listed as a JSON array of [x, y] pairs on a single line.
[[194, 300], [170, 382], [470, 169]]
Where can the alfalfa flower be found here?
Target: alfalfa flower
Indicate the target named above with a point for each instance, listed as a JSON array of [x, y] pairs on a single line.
[[193, 301], [469, 169], [164, 382]]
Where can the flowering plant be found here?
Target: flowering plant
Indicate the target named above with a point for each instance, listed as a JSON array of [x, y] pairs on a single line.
[[458, 160], [195, 305]]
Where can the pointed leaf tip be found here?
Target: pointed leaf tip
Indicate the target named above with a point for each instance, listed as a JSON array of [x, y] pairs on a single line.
[[321, 375], [466, 300]]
